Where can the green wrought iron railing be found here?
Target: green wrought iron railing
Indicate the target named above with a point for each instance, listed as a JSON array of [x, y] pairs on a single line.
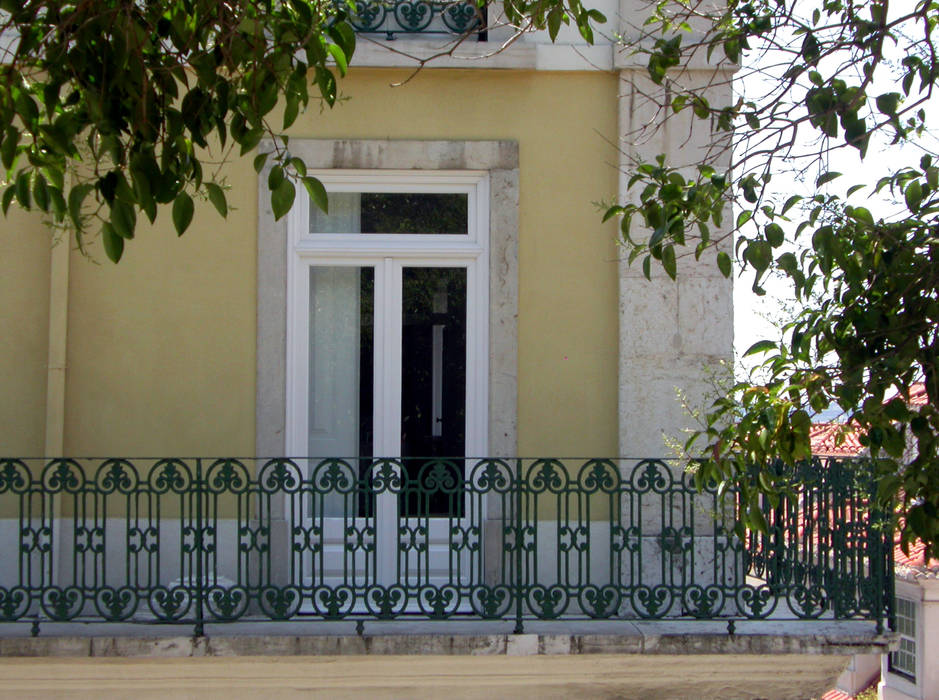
[[218, 540], [393, 17]]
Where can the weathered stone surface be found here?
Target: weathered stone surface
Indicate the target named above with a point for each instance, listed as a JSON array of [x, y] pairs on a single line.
[[458, 639]]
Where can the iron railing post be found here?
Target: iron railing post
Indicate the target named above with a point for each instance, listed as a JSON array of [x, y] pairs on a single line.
[[519, 538], [199, 548]]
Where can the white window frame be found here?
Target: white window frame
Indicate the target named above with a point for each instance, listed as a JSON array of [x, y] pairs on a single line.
[[389, 254]]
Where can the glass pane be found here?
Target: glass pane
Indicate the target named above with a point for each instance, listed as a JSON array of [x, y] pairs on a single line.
[[433, 388], [344, 214], [340, 376], [392, 212]]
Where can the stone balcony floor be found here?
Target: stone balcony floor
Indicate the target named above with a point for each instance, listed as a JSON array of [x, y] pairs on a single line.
[[455, 659]]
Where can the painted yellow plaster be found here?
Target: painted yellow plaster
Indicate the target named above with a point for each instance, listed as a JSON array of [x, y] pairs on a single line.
[[24, 311], [564, 123], [161, 348]]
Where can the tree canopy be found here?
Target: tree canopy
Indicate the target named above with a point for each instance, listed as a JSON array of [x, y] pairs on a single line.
[[111, 109], [860, 261]]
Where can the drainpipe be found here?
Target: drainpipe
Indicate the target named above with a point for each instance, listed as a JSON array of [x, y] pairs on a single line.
[[58, 341], [55, 392]]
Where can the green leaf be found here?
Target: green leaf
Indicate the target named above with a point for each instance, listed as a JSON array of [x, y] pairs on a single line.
[[299, 167], [759, 254], [896, 409], [8, 148], [774, 235], [41, 192], [123, 219], [826, 178], [183, 210], [317, 193], [887, 487], [888, 103], [339, 56], [761, 346], [791, 202], [668, 261], [757, 519], [700, 107], [854, 188], [76, 198], [23, 195], [8, 194], [554, 22], [282, 198], [810, 49], [913, 195], [217, 197], [275, 177], [113, 243], [863, 215], [259, 160], [250, 140], [724, 263], [326, 82], [292, 109], [343, 34]]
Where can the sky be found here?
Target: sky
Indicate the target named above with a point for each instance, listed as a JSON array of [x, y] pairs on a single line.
[[752, 314]]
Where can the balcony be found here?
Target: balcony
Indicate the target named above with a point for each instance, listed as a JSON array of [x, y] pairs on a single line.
[[392, 18], [444, 541]]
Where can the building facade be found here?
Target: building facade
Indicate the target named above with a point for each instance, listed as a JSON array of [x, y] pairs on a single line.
[[458, 313]]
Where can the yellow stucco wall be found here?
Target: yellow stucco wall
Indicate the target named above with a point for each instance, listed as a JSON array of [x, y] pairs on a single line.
[[161, 348], [24, 314]]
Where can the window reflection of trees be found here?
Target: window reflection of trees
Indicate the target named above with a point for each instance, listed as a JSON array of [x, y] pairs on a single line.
[[409, 213], [414, 212]]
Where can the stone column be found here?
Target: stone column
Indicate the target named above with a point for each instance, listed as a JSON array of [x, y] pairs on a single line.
[[675, 337]]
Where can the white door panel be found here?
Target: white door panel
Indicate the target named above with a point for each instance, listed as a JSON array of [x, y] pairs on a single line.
[[376, 322]]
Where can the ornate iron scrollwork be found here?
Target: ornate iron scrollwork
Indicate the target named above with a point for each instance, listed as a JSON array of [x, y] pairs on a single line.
[[393, 17]]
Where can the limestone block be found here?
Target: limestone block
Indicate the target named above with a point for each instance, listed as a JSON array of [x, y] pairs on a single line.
[[503, 314], [649, 321], [650, 407]]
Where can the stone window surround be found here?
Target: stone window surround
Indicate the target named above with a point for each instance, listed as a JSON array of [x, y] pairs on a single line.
[[500, 159]]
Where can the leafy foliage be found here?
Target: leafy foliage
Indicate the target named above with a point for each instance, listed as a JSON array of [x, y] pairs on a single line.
[[111, 109], [864, 276]]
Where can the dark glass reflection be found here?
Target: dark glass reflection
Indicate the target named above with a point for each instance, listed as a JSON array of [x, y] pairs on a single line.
[[433, 389], [366, 387], [414, 212], [392, 212]]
